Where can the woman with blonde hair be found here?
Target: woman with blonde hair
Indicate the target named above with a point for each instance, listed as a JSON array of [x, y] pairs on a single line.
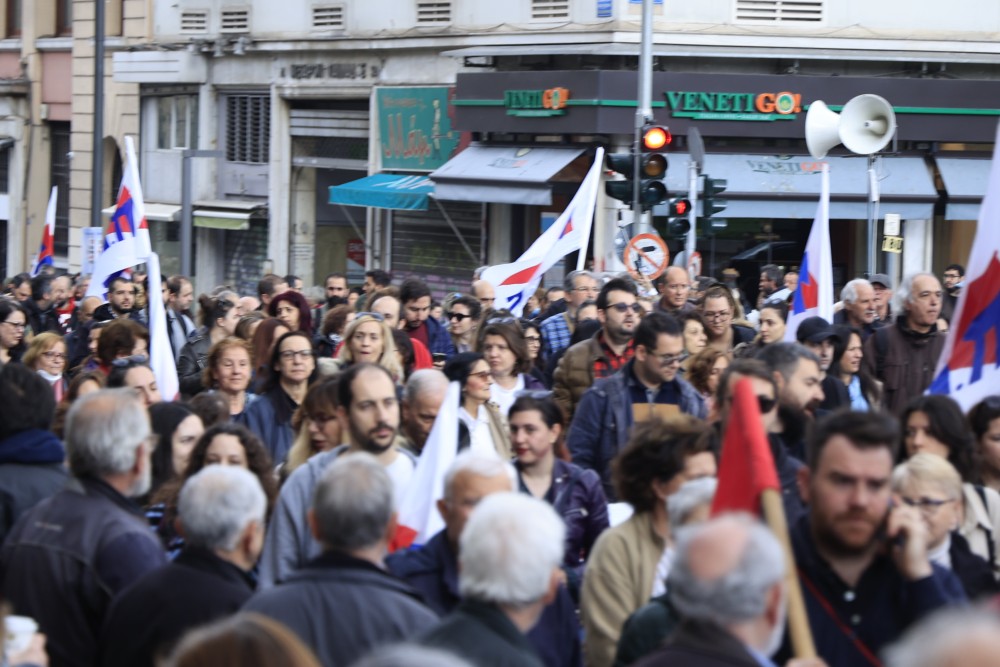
[[368, 339], [46, 356]]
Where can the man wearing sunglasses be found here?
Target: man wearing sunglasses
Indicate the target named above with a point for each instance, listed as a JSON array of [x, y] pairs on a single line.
[[647, 387], [606, 352], [799, 377]]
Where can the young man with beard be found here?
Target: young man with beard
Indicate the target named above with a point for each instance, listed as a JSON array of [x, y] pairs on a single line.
[[368, 410], [862, 559], [415, 296], [799, 377], [606, 352], [820, 337]]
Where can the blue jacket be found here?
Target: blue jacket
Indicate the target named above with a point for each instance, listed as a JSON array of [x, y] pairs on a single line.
[[432, 569], [438, 338], [603, 420]]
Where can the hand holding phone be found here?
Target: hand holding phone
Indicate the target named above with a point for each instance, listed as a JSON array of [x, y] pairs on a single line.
[[908, 536]]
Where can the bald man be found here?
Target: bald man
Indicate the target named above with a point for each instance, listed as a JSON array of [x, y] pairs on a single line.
[[485, 293], [676, 287]]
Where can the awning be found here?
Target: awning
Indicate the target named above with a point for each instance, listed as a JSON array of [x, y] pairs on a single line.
[[502, 174], [393, 191], [965, 180], [154, 212], [229, 220], [788, 186]]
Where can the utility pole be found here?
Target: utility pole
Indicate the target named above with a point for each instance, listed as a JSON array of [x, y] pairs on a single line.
[[643, 112], [97, 163]]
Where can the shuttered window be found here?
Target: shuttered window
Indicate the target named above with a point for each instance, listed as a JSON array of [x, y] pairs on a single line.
[[248, 129]]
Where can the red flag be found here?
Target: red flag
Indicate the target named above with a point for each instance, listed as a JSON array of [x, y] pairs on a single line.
[[746, 467]]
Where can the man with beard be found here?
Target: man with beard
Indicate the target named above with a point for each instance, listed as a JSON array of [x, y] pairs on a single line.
[[368, 410], [727, 581], [177, 302], [415, 296], [62, 301], [40, 307], [862, 559], [817, 335], [336, 295], [903, 356], [860, 309], [121, 302], [604, 353], [68, 556], [799, 379]]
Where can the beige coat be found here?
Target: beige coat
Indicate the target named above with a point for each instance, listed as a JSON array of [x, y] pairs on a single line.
[[618, 580]]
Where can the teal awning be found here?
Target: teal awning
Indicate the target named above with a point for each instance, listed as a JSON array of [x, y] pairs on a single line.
[[384, 191]]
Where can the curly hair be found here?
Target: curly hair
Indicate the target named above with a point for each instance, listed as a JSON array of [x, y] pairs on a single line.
[[949, 426], [657, 451], [118, 339], [699, 371], [299, 302], [388, 360]]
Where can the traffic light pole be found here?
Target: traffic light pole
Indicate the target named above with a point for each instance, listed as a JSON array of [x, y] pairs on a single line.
[[643, 112], [693, 213]]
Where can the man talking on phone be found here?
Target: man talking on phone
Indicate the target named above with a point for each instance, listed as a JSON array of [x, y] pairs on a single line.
[[415, 296], [862, 554]]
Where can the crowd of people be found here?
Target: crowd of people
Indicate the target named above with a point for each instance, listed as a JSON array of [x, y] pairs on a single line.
[[254, 518]]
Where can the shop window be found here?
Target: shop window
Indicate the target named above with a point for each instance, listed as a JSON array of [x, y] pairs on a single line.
[[64, 17], [194, 21], [779, 11], [248, 129], [177, 122], [13, 11], [547, 10], [59, 138], [433, 12], [328, 17]]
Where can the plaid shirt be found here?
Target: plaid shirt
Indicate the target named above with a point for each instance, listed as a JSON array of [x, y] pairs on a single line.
[[610, 362], [556, 334]]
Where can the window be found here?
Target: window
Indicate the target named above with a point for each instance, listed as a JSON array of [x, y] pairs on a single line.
[[779, 11], [433, 12], [549, 9], [328, 17], [177, 122], [14, 18], [194, 21], [64, 17], [248, 129], [235, 19]]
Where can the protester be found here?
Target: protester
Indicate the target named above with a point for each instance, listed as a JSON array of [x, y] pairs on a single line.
[[676, 288], [862, 586], [606, 352], [481, 427], [864, 392], [177, 429], [484, 292], [903, 356], [249, 321], [934, 424], [463, 320], [315, 424], [961, 637], [934, 487], [177, 303], [245, 640], [368, 411], [537, 427], [422, 398], [768, 285], [331, 333], [883, 295], [13, 321], [121, 302], [269, 286], [31, 457], [860, 310], [509, 555], [69, 555], [292, 310], [984, 418], [704, 371], [557, 329], [343, 603], [228, 369], [267, 334], [796, 370], [40, 307], [628, 564], [368, 339], [953, 280], [647, 387], [820, 337], [46, 355], [120, 339], [415, 296], [719, 308], [222, 511], [134, 373], [218, 319], [290, 371], [211, 408], [502, 345], [771, 321]]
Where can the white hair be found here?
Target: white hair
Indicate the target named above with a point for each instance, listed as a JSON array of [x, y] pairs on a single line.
[[904, 293], [216, 505], [740, 594], [480, 466], [425, 380], [104, 430], [509, 549], [941, 638], [692, 495], [353, 502], [850, 292]]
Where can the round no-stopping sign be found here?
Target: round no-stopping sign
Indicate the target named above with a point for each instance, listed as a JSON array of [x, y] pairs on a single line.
[[646, 256]]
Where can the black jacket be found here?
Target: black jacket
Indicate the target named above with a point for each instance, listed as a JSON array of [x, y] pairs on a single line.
[[40, 320], [148, 618], [68, 557], [700, 644], [31, 470], [193, 359], [483, 635]]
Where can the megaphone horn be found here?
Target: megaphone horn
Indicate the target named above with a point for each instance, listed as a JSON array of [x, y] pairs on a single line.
[[867, 124], [822, 129]]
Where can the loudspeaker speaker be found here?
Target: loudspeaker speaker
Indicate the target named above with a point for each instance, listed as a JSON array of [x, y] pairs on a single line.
[[865, 126]]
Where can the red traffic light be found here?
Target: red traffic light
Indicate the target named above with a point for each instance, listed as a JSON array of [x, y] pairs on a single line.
[[655, 138], [679, 207]]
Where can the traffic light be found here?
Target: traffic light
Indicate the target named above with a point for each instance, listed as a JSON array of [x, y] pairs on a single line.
[[712, 204], [676, 223], [652, 169]]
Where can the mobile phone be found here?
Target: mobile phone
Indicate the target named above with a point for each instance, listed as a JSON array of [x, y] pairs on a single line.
[[439, 357]]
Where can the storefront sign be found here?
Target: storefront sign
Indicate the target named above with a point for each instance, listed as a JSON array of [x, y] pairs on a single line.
[[415, 130], [734, 106], [892, 244], [795, 166], [535, 103], [307, 71]]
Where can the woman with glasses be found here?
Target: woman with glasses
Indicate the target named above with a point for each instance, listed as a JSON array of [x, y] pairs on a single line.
[[219, 317], [933, 486], [315, 424], [368, 339], [935, 425], [228, 370], [47, 356], [502, 345], [533, 340], [984, 417], [13, 321], [537, 426], [290, 372], [292, 310], [481, 427], [719, 308], [463, 321]]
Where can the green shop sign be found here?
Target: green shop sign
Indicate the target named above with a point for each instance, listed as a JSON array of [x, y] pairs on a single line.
[[734, 106], [535, 103], [415, 129]]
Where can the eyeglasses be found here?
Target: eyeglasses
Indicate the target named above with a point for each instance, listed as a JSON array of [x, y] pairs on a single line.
[[461, 317], [54, 355], [720, 315], [625, 307], [670, 359], [378, 316], [927, 505], [533, 340], [134, 360], [16, 325], [952, 275], [288, 355], [482, 375]]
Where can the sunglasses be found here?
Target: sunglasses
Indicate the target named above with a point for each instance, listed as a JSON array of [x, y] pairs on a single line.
[[461, 317], [125, 362], [765, 403]]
